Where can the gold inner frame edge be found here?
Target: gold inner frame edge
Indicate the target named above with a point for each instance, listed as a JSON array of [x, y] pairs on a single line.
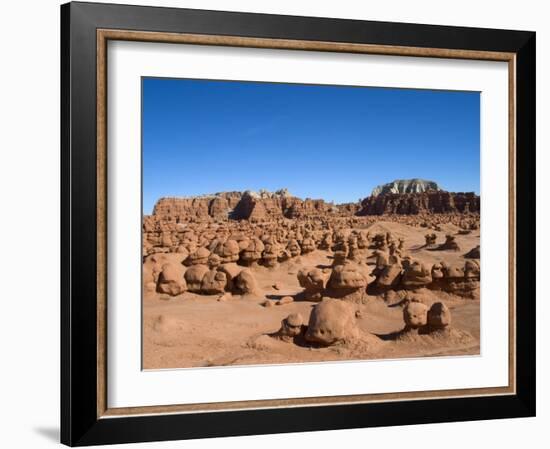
[[104, 35]]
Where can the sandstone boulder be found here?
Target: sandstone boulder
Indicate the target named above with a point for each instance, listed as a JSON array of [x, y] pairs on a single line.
[[439, 316], [332, 321], [416, 275], [228, 251], [199, 257], [171, 281], [194, 275], [291, 327], [313, 281], [415, 315], [213, 282], [246, 284], [253, 252]]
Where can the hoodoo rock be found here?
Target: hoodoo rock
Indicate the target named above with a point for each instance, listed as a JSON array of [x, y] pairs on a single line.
[[291, 327], [253, 252], [332, 321], [194, 275], [415, 315], [171, 280], [415, 275], [439, 316], [245, 283], [347, 281], [313, 282], [213, 282]]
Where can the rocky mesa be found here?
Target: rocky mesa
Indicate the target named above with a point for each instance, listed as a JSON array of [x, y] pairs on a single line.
[[402, 197]]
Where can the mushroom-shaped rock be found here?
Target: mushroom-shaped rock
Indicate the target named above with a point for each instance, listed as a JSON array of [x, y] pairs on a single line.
[[231, 271], [171, 280], [214, 260], [199, 257], [313, 282], [326, 241], [450, 243], [332, 321], [293, 247], [271, 253], [228, 251], [245, 283], [415, 315], [291, 327], [439, 316], [415, 275], [347, 275], [308, 245], [340, 250], [194, 276], [213, 282], [243, 243], [453, 271], [253, 252], [390, 274], [347, 281]]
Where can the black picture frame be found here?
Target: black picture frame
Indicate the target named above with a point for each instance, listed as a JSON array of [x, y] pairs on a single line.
[[80, 424]]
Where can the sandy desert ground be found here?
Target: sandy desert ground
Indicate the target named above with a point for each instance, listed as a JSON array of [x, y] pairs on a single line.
[[291, 311]]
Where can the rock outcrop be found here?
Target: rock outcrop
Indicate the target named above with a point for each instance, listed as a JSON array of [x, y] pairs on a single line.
[[415, 185], [332, 321], [428, 202]]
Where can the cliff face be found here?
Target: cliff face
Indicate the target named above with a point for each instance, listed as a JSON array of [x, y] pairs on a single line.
[[242, 206], [271, 206], [415, 185], [196, 208], [415, 203]]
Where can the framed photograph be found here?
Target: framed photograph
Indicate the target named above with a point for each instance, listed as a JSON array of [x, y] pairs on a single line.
[[283, 224]]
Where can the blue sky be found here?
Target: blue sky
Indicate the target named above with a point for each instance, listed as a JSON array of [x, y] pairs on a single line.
[[330, 142]]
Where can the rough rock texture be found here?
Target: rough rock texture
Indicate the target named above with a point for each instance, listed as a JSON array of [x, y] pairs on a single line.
[[332, 321], [213, 282], [418, 203], [449, 244], [415, 315], [184, 209], [194, 276], [228, 251], [245, 283], [406, 186], [291, 327], [415, 275], [462, 280], [347, 281], [313, 281], [253, 251], [439, 316], [171, 280]]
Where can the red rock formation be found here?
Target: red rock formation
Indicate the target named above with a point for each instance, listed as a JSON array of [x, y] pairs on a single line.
[[417, 203]]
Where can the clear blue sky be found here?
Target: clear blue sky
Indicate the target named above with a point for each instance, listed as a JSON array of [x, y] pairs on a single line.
[[329, 142]]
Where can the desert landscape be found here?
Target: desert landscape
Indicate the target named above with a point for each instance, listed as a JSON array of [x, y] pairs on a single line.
[[246, 278]]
